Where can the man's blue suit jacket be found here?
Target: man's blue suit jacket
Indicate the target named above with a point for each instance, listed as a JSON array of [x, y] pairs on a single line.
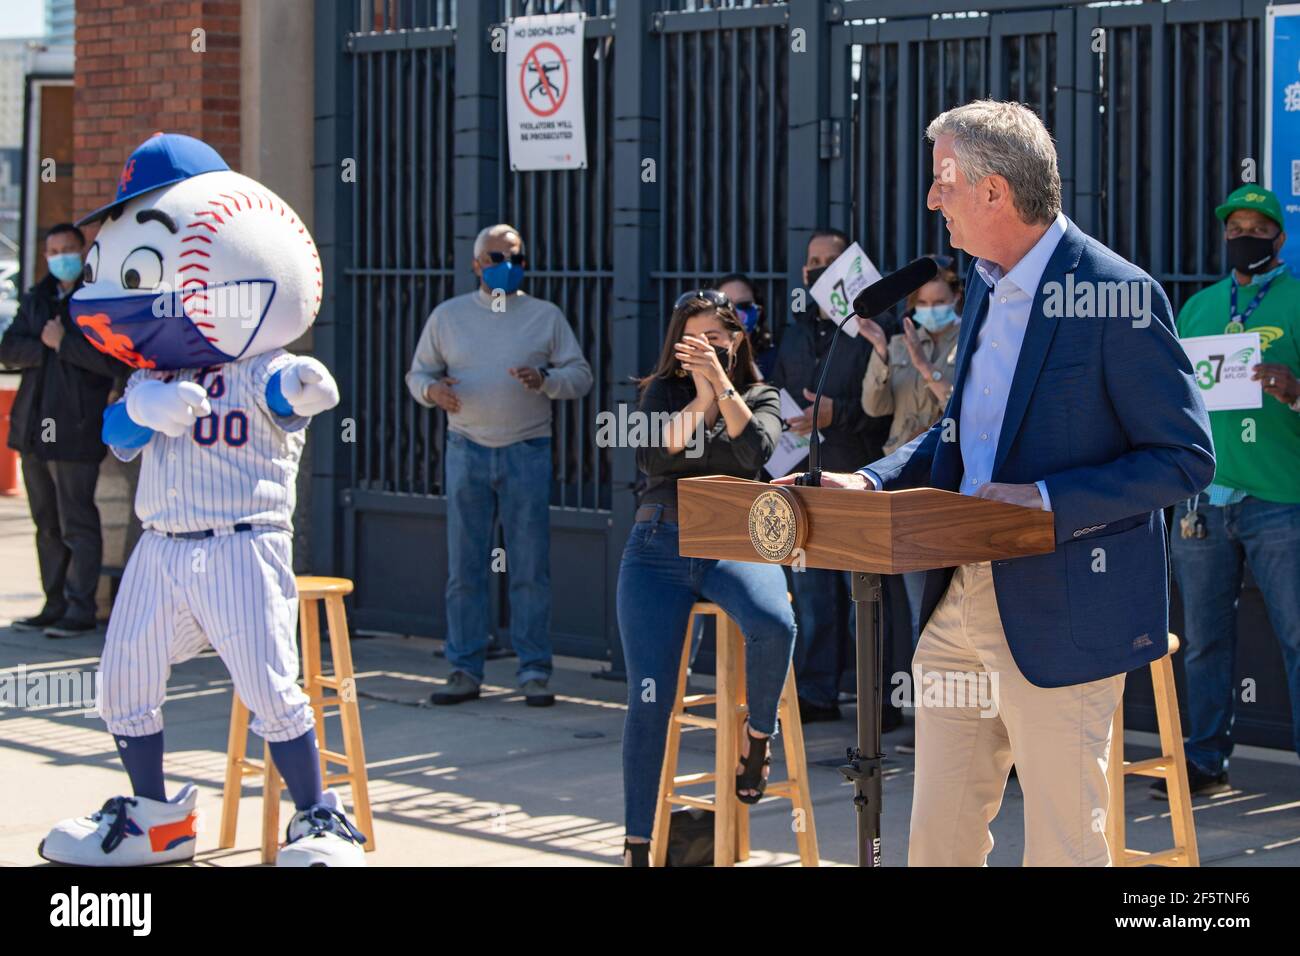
[[1108, 415]]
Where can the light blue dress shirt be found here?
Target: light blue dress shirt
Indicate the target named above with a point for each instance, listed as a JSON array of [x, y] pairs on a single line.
[[993, 364], [997, 349]]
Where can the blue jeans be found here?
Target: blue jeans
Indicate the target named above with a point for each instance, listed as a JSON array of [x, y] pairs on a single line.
[[656, 588], [914, 584], [1265, 535], [513, 481], [824, 605]]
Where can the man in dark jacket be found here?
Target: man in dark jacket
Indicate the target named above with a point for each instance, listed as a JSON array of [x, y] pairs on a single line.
[[55, 425], [822, 597]]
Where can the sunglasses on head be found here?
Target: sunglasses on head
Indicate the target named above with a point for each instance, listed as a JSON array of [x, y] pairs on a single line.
[[711, 296], [497, 258], [942, 261]]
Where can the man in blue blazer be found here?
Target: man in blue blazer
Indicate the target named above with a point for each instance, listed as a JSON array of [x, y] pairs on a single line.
[[1071, 394]]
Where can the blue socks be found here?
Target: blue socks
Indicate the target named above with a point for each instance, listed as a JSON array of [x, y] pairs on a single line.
[[143, 759], [298, 761]]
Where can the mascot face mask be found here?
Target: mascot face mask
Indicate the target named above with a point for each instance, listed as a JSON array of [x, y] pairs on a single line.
[[198, 271]]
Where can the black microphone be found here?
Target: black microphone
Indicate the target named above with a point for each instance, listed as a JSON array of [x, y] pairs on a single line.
[[876, 298]]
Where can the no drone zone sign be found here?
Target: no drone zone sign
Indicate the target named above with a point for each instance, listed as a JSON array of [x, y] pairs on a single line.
[[544, 93]]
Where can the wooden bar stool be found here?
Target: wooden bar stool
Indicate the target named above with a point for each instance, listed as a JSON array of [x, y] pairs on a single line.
[[1171, 765], [311, 591], [731, 817]]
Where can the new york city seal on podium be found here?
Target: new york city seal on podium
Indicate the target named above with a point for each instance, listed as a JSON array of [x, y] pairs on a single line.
[[776, 524]]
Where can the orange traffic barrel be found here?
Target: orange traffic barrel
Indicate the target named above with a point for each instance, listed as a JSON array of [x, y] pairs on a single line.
[[8, 457]]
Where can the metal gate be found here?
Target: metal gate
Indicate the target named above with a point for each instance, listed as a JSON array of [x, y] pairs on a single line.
[[889, 79], [763, 121], [723, 156]]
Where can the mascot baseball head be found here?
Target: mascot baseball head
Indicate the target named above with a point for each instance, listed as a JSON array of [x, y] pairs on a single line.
[[194, 265]]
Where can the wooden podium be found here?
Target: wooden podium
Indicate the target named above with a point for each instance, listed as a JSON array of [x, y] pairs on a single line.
[[869, 534]]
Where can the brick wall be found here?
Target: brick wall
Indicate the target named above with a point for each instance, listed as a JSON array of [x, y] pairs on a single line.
[[138, 72]]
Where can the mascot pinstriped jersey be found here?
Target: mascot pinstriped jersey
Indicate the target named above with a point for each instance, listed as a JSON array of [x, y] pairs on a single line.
[[198, 278]]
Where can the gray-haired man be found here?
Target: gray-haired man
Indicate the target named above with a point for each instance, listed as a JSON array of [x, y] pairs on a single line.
[[494, 359], [1092, 416]]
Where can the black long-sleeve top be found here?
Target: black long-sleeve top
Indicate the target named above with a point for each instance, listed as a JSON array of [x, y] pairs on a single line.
[[66, 389], [740, 457]]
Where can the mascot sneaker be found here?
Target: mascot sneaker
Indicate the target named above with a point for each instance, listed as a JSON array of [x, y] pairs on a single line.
[[322, 836], [127, 831]]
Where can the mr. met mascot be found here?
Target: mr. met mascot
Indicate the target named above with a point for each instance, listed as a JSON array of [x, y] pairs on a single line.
[[198, 278]]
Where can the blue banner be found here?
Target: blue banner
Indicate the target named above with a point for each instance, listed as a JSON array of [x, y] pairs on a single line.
[[1283, 123]]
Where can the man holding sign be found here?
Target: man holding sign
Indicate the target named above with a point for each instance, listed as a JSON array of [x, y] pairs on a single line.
[[1243, 337]]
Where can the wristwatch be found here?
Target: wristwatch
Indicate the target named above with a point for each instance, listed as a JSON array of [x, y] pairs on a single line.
[[727, 392]]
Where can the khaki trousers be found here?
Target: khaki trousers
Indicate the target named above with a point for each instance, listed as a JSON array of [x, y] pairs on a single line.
[[976, 715]]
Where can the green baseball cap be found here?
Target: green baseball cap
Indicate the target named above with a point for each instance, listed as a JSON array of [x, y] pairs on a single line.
[[1252, 196]]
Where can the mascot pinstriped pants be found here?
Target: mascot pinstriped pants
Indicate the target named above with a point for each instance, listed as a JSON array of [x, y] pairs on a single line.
[[234, 591]]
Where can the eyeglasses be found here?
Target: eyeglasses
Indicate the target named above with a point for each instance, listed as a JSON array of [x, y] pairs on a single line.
[[711, 296], [746, 305], [497, 258]]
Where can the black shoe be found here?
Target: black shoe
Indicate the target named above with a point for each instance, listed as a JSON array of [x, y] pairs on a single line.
[[637, 854], [1201, 784], [38, 622], [70, 627], [459, 688], [536, 693], [751, 777], [810, 713]]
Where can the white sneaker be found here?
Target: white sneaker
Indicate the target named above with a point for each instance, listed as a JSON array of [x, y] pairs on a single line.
[[127, 831], [322, 836]]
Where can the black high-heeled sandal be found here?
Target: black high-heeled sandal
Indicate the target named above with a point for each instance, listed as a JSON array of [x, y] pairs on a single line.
[[640, 853], [751, 776]]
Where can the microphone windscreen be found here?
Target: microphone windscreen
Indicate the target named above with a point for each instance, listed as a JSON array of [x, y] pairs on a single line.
[[881, 295]]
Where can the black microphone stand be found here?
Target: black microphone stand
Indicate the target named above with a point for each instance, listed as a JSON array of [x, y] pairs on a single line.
[[864, 767], [813, 476]]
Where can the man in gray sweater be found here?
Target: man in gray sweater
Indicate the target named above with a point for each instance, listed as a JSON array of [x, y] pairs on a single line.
[[494, 359]]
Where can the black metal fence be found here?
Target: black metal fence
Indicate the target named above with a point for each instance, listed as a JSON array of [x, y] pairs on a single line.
[[762, 122]]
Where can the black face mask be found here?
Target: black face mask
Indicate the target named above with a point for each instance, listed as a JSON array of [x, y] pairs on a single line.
[[1250, 254], [814, 275]]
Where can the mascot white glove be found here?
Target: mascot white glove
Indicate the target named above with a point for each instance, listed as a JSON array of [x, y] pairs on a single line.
[[167, 407], [308, 387]]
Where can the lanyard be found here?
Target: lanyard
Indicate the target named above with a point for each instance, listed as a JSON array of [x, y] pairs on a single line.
[[1238, 323]]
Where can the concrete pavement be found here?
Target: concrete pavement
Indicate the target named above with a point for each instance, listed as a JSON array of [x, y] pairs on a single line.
[[493, 783]]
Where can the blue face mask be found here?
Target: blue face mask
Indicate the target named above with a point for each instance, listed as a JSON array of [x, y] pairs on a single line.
[[151, 330], [934, 317], [66, 266], [748, 318], [503, 277]]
